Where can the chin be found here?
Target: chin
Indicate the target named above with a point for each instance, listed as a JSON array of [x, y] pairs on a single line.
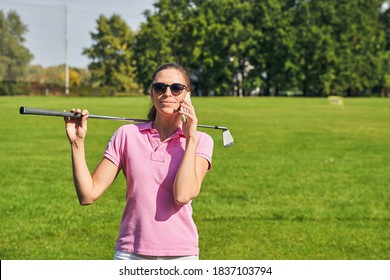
[[169, 111]]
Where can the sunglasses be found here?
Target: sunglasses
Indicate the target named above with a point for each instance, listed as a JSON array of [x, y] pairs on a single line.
[[176, 89]]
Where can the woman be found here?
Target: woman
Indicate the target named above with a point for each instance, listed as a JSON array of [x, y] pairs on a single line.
[[164, 162]]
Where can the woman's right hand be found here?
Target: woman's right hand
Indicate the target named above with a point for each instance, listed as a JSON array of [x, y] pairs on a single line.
[[76, 128]]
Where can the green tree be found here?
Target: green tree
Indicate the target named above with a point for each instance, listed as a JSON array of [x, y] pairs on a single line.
[[195, 34], [273, 54], [315, 45], [111, 54], [361, 43], [240, 46], [222, 42], [164, 37], [340, 46], [210, 46], [227, 45], [237, 47], [14, 56]]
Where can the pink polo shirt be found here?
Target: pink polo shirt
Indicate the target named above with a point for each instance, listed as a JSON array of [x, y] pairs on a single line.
[[152, 222]]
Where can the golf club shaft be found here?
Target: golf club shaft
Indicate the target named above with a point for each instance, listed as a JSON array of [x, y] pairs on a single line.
[[226, 135], [41, 112], [35, 111]]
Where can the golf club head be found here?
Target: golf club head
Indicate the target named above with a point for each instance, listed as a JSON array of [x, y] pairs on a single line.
[[227, 138]]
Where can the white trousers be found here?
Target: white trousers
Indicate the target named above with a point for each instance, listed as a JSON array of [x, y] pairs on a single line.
[[120, 255]]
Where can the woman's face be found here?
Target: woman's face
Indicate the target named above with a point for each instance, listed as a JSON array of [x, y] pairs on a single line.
[[167, 103]]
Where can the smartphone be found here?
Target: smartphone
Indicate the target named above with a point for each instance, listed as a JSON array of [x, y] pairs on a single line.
[[187, 98]]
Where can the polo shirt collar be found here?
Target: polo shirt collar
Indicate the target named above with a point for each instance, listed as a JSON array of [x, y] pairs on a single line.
[[148, 127]]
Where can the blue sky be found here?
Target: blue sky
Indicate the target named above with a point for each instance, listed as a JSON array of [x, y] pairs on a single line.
[[46, 23]]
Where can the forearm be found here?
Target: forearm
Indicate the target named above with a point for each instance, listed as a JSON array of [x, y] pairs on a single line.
[[81, 176], [187, 182]]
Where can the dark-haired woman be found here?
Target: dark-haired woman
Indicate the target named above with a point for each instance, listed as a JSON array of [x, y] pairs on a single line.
[[164, 161]]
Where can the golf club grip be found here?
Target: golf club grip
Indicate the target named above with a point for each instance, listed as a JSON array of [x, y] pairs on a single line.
[[34, 111]]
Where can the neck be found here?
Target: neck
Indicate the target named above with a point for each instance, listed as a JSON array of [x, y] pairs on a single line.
[[166, 125]]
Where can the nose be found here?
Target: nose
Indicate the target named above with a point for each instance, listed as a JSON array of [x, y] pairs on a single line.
[[168, 92]]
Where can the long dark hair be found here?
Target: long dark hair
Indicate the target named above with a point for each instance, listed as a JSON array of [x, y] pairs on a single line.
[[152, 111]]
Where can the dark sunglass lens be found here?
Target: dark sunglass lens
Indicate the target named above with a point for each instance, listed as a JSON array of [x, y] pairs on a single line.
[[159, 88], [177, 89]]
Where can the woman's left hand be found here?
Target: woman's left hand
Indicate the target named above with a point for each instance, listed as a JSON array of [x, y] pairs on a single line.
[[190, 126]]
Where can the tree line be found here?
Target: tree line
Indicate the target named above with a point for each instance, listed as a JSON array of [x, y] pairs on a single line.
[[240, 48]]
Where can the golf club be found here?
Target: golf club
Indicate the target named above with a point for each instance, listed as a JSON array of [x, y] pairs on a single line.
[[227, 137]]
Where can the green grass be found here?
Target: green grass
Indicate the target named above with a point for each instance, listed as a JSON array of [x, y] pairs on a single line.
[[304, 180]]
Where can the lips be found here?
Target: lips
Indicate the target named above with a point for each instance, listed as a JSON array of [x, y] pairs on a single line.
[[168, 102]]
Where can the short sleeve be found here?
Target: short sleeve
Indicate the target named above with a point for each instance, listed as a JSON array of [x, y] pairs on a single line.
[[205, 147], [114, 149]]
